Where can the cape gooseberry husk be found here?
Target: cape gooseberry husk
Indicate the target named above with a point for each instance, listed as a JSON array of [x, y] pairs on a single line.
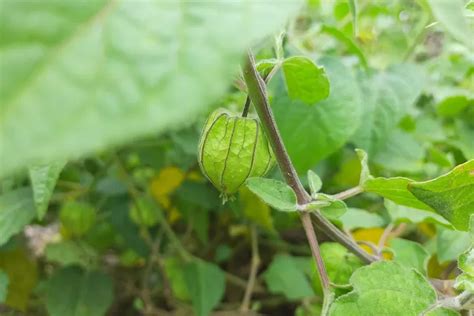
[[233, 148]]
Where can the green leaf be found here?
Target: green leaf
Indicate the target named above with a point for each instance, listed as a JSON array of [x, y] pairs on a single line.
[[314, 181], [174, 270], [347, 41], [335, 209], [273, 192], [312, 133], [452, 105], [359, 218], [466, 262], [353, 7], [3, 286], [340, 265], [69, 252], [451, 195], [403, 214], [305, 81], [388, 96], [17, 209], [205, 284], [450, 14], [451, 243], [73, 292], [401, 152], [410, 254], [77, 217], [43, 180], [284, 276], [395, 189], [145, 212], [256, 210], [78, 77], [385, 288]]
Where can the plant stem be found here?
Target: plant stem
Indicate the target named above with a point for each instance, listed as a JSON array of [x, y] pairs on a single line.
[[255, 263], [257, 93], [348, 193]]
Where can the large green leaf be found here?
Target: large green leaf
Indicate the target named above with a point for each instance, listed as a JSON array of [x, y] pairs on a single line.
[[450, 14], [359, 218], [284, 276], [395, 189], [205, 285], [43, 180], [450, 244], [387, 97], [311, 133], [385, 288], [410, 254], [73, 292], [80, 76], [451, 195], [17, 209], [404, 214]]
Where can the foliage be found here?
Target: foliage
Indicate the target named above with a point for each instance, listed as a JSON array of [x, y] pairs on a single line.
[[112, 181]]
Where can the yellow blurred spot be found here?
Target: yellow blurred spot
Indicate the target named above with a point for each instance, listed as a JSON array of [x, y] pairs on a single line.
[[167, 181], [195, 176], [163, 185], [371, 235], [427, 229]]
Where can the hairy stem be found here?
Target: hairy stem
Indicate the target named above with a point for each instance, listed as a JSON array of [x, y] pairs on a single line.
[[348, 193], [257, 93]]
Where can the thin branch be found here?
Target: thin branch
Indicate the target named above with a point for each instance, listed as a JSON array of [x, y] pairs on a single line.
[[348, 193], [257, 93], [255, 263], [383, 239]]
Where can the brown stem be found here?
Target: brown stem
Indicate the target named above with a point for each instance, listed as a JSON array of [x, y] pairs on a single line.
[[257, 93]]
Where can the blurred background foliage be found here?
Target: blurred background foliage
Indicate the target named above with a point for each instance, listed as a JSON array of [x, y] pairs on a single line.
[[136, 229]]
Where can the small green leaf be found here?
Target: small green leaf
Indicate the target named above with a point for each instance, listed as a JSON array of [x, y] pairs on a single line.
[[464, 282], [43, 180], [359, 218], [305, 81], [395, 189], [451, 243], [71, 291], [205, 284], [3, 286], [17, 209], [350, 44], [385, 288], [450, 14], [284, 276], [335, 209], [451, 195], [404, 214], [314, 182], [70, 252], [145, 212], [273, 192], [410, 254]]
